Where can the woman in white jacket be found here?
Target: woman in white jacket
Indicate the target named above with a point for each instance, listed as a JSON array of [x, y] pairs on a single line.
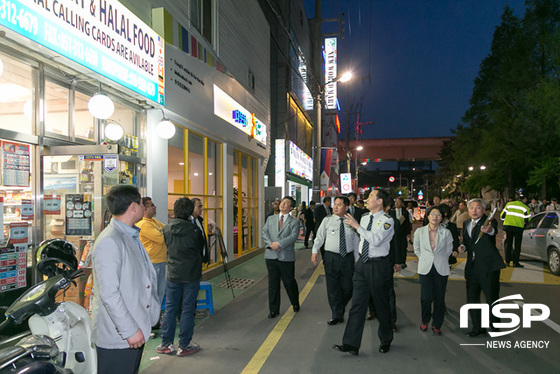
[[433, 244]]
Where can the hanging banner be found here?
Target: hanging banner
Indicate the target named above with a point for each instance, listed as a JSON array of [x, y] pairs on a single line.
[[13, 268]]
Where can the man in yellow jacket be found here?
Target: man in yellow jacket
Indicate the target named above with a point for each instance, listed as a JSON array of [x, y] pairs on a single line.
[[151, 235], [514, 215]]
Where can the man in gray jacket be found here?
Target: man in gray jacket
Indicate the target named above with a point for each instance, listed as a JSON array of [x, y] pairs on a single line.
[[125, 302], [279, 234]]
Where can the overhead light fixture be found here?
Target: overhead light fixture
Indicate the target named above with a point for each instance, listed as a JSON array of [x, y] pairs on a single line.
[[360, 147], [100, 105], [165, 128], [346, 77], [113, 131]]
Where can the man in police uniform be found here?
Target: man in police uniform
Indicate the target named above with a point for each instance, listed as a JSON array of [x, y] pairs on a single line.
[[372, 275], [514, 215], [341, 251]]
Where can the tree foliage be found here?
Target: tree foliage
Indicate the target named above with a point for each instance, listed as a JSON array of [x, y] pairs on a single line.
[[512, 124]]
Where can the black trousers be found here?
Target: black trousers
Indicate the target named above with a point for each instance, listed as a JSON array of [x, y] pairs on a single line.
[[432, 291], [514, 235], [371, 279], [392, 302], [281, 270], [489, 284], [338, 272], [308, 230], [122, 361]]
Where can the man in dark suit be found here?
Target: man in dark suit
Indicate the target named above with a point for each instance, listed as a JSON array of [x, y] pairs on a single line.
[[279, 234], [309, 223], [355, 211], [319, 214], [484, 262], [401, 214]]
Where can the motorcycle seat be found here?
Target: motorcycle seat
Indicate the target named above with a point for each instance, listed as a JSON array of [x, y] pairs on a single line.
[[9, 353]]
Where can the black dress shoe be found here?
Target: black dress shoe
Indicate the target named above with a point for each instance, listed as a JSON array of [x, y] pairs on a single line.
[[472, 334], [272, 315], [296, 308], [518, 265], [346, 348], [334, 321], [384, 348], [394, 326], [370, 316]]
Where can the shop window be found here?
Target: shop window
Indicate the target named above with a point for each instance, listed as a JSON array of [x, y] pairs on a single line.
[[56, 108], [84, 122], [16, 95], [196, 165], [200, 160], [245, 203]]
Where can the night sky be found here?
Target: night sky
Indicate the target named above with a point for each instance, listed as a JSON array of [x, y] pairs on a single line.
[[422, 57]]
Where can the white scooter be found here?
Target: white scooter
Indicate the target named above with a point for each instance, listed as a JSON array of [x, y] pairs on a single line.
[[66, 323]]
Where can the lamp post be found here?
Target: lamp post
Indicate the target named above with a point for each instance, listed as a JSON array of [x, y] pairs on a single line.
[[356, 167]]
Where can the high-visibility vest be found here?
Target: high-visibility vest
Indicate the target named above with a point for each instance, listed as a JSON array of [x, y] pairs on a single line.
[[515, 213]]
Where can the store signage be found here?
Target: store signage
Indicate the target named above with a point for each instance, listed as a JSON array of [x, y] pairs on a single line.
[[51, 204], [232, 112], [300, 162], [330, 56], [13, 261], [346, 182], [307, 97], [103, 36]]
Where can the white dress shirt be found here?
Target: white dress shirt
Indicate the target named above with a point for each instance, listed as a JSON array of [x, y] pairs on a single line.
[[380, 235], [328, 233]]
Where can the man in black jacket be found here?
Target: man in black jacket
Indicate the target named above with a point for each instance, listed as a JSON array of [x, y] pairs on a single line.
[[309, 223], [484, 262], [354, 210], [185, 246]]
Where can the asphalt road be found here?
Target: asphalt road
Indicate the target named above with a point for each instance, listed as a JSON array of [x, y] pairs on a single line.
[[240, 338]]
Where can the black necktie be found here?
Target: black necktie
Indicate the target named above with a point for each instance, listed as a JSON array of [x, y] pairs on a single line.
[[342, 238], [365, 248]]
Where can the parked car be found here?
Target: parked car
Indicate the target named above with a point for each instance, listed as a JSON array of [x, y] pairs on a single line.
[[541, 239]]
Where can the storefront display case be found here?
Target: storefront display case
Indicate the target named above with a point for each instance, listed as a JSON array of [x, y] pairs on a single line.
[[76, 181]]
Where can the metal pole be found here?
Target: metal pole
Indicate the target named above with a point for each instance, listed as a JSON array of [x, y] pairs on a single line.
[[317, 130]]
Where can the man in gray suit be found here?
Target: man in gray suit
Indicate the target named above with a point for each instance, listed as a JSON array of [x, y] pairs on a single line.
[[125, 303], [280, 233]]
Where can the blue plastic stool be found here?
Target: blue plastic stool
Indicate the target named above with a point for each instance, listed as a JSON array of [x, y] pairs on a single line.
[[208, 301]]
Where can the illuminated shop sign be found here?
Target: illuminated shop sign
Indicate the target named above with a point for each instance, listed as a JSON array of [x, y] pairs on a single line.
[[307, 97], [103, 36], [280, 163], [330, 56], [230, 111], [300, 163]]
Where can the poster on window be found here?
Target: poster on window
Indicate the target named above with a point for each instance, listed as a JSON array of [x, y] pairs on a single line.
[[51, 204], [78, 214], [27, 210], [13, 262], [16, 160], [19, 232]]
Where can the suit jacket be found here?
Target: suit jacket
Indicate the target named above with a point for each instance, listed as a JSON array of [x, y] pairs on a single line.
[[320, 214], [309, 218], [125, 297], [358, 212], [398, 245], [486, 254], [287, 237], [439, 257], [206, 255], [406, 226]]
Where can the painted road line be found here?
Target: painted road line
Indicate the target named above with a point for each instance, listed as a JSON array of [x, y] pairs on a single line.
[[260, 357], [532, 272]]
